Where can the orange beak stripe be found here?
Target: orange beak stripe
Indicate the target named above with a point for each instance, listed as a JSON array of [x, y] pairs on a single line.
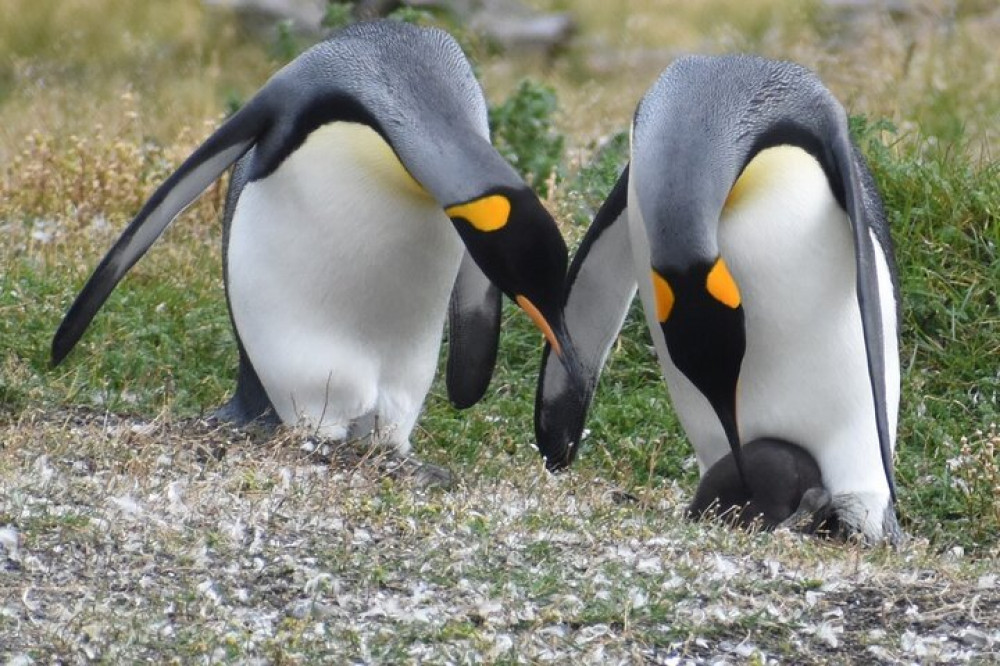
[[664, 297], [721, 285], [487, 214], [540, 322]]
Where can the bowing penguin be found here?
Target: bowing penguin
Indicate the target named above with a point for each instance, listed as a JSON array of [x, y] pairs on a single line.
[[753, 229], [366, 206]]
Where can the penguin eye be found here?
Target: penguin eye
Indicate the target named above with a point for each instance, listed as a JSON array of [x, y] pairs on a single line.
[[663, 295], [721, 285], [488, 213]]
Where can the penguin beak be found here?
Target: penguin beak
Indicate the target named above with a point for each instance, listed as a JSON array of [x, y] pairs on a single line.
[[543, 325], [556, 334], [726, 411], [701, 315]]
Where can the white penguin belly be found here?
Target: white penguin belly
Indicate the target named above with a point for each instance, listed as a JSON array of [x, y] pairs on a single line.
[[340, 269], [804, 376]]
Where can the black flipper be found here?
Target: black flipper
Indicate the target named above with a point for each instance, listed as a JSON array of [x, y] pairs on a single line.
[[879, 226], [183, 186], [249, 403], [601, 287], [473, 334]]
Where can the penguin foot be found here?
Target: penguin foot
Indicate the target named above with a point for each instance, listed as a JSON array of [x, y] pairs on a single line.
[[373, 455], [363, 427], [423, 474], [812, 512], [235, 413], [852, 515]]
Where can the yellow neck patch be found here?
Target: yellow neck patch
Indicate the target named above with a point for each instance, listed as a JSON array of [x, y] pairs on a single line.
[[772, 167], [369, 151], [486, 214], [721, 285], [540, 322], [664, 297]]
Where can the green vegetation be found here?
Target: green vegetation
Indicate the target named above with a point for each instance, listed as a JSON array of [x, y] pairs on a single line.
[[523, 132]]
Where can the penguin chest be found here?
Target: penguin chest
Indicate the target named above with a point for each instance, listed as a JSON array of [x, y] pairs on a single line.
[[805, 375], [340, 267]]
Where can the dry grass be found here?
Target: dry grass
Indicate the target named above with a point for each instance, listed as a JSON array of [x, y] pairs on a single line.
[[175, 541], [912, 68], [976, 471], [74, 64], [105, 174]]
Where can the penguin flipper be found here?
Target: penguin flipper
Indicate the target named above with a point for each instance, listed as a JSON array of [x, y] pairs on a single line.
[[601, 286], [473, 334], [864, 209], [184, 185], [877, 233]]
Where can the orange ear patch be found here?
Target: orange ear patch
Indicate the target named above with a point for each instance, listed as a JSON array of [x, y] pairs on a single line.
[[486, 214], [721, 285], [664, 297]]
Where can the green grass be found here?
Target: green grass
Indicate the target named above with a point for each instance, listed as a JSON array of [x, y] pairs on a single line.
[[944, 211], [163, 341]]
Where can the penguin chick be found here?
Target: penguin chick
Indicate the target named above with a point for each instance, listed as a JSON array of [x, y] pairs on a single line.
[[785, 488]]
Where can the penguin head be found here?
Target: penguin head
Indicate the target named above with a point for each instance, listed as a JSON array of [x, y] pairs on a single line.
[[700, 312], [516, 243], [415, 88]]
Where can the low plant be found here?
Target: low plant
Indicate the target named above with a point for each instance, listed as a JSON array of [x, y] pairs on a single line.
[[523, 128], [975, 475]]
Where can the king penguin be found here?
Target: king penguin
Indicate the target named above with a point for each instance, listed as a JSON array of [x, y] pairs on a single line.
[[754, 231], [366, 206]]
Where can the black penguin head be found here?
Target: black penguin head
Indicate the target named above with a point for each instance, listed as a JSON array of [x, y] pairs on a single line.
[[700, 312], [517, 244]]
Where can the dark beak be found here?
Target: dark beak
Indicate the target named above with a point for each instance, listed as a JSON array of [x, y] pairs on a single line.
[[726, 411]]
